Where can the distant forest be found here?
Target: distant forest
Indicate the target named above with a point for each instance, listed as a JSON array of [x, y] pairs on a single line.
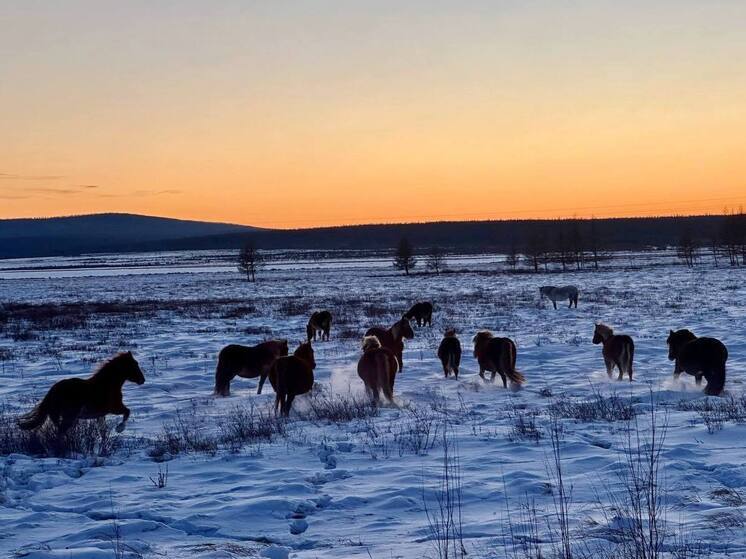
[[537, 239]]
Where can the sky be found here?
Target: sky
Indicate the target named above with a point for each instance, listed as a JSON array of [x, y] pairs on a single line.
[[311, 113]]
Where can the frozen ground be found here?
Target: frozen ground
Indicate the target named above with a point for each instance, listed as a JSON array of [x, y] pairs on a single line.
[[358, 488]]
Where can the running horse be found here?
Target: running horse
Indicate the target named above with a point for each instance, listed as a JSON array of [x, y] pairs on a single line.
[[72, 399], [618, 350], [377, 368], [701, 357], [247, 362], [292, 376], [497, 355], [392, 338]]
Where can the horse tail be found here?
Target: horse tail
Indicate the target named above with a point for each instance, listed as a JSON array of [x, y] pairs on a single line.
[[510, 371], [631, 356], [36, 417], [222, 378], [280, 385]]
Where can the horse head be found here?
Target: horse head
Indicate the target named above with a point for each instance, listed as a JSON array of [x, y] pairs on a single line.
[[601, 333], [676, 340], [132, 370]]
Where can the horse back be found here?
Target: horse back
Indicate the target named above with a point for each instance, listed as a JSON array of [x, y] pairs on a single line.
[[617, 344], [449, 346], [291, 375], [703, 353], [384, 336]]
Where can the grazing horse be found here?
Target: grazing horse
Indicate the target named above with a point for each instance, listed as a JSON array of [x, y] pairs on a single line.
[[75, 398], [618, 350], [422, 312], [321, 322], [498, 356], [392, 338], [701, 357], [292, 376], [555, 294], [246, 362], [377, 368], [449, 353]]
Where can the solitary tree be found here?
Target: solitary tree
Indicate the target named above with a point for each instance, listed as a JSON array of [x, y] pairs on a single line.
[[435, 259], [249, 261], [511, 259], [404, 258]]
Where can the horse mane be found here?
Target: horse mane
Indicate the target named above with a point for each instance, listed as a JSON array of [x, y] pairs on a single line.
[[370, 342], [604, 330], [107, 366], [482, 335], [450, 333]]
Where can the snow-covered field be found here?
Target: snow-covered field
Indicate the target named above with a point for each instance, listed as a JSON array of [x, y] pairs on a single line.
[[361, 487]]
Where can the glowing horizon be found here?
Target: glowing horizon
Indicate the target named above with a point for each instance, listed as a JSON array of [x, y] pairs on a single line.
[[331, 113]]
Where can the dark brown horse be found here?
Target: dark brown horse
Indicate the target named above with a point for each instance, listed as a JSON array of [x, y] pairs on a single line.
[[377, 368], [292, 376], [321, 322], [449, 353], [618, 350], [75, 398], [497, 355], [247, 362], [422, 312], [701, 357], [392, 339]]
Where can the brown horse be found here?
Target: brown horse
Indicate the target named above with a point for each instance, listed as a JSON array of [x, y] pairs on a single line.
[[392, 339], [321, 322], [701, 357], [422, 312], [246, 362], [618, 350], [292, 376], [377, 368], [449, 353], [498, 356], [75, 398]]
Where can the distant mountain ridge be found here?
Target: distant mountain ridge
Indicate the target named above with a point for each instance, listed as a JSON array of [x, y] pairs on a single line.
[[115, 232], [109, 232]]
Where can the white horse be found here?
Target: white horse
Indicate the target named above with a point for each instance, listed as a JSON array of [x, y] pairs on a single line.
[[555, 294]]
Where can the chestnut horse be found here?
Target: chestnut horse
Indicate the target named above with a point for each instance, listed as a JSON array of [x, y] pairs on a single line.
[[498, 356], [392, 339], [422, 312], [618, 350], [449, 353], [292, 376], [701, 357], [75, 398], [321, 322], [377, 368], [246, 362]]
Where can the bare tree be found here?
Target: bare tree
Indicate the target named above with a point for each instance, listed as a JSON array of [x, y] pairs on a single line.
[[435, 260], [535, 251], [511, 259], [687, 249], [404, 257], [249, 261]]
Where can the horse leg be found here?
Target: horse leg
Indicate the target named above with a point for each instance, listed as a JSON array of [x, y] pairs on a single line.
[[698, 379], [262, 378], [621, 370], [505, 379], [455, 372], [481, 373], [609, 366], [288, 404], [555, 304], [124, 411]]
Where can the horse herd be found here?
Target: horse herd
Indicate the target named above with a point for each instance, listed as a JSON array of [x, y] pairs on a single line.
[[380, 361]]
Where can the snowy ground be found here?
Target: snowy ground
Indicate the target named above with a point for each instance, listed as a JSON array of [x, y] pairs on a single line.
[[355, 488]]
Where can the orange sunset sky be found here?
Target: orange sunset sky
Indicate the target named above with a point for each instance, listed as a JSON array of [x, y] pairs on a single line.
[[290, 114]]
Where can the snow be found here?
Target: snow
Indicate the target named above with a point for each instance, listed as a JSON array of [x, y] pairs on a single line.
[[355, 489]]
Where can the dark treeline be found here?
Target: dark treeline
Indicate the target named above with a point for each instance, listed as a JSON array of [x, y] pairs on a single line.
[[568, 242]]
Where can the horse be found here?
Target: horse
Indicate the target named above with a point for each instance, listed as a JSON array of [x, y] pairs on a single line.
[[449, 353], [555, 294], [377, 368], [292, 376], [422, 312], [72, 399], [392, 338], [320, 321], [246, 362], [498, 356], [618, 350], [701, 357]]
